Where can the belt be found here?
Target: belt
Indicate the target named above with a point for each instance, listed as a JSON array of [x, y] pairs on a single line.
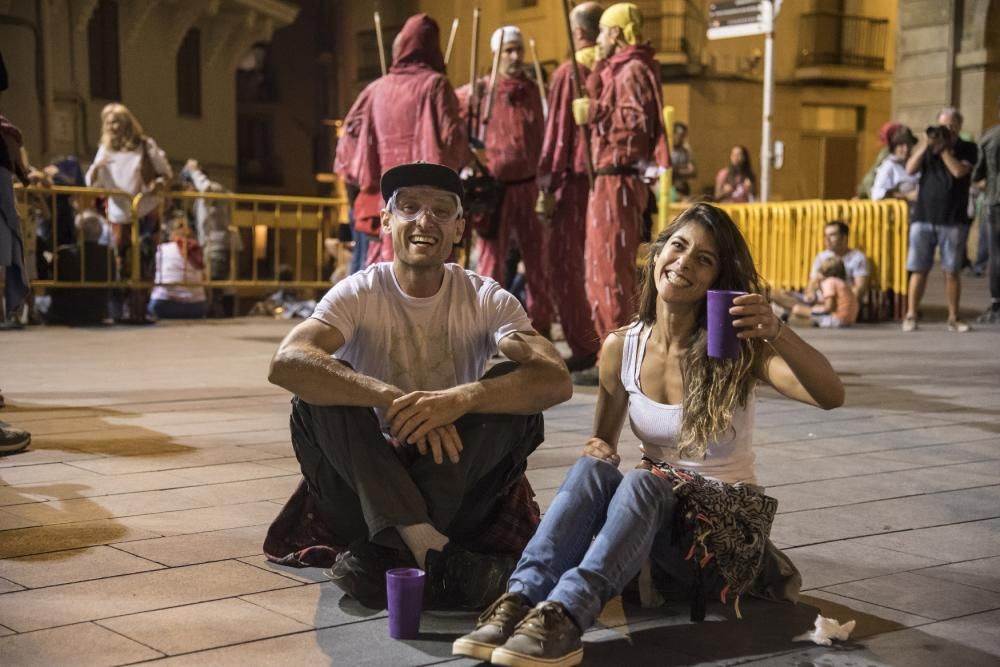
[[521, 181], [616, 171]]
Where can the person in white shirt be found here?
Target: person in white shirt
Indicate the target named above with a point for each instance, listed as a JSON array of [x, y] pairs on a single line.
[[891, 177], [836, 238], [179, 263], [404, 444], [693, 504], [129, 161]]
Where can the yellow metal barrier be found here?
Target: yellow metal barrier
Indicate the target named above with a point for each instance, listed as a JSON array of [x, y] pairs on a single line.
[[277, 230]]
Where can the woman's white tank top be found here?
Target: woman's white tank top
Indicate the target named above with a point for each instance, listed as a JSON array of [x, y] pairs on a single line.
[[728, 458]]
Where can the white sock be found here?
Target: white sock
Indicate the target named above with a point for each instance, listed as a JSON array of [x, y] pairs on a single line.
[[421, 537]]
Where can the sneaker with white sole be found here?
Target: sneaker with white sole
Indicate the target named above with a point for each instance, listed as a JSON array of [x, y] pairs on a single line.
[[547, 637], [909, 324], [958, 326], [494, 628]]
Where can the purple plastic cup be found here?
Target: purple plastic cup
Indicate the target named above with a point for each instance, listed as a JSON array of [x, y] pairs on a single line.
[[404, 587], [722, 340]]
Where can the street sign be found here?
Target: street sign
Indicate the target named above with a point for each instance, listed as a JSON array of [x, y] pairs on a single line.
[[739, 18]]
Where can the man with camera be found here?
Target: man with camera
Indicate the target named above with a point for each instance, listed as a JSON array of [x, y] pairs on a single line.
[[940, 217]]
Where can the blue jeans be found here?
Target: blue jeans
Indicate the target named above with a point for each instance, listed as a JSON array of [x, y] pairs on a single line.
[[177, 310], [631, 516]]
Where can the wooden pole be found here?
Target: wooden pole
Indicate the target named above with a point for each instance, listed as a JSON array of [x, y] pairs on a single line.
[[538, 78], [491, 95], [578, 91], [451, 41], [381, 44]]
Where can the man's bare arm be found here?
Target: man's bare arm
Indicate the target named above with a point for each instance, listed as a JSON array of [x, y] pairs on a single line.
[[303, 366], [539, 382]]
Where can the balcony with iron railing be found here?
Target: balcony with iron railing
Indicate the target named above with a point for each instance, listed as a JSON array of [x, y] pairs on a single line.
[[841, 47]]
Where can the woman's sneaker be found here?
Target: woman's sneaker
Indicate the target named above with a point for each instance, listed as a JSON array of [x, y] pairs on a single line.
[[547, 637], [495, 627]]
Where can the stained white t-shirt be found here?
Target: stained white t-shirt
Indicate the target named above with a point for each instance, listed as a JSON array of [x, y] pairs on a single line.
[[420, 344]]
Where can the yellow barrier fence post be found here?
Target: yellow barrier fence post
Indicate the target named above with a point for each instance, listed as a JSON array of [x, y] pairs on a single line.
[[666, 178]]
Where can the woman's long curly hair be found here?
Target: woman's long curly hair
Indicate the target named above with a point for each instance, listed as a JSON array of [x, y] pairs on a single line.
[[132, 134], [713, 388]]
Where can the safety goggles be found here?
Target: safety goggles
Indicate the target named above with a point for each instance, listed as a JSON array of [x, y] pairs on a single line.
[[408, 208]]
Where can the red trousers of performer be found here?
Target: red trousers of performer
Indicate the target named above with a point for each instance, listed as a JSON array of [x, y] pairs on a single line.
[[517, 217], [614, 224], [380, 249], [566, 266]]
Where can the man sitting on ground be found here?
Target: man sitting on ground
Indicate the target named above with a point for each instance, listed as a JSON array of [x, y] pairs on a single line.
[[407, 448], [835, 237]]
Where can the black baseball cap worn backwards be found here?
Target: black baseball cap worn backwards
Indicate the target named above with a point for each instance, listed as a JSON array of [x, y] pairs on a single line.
[[421, 174]]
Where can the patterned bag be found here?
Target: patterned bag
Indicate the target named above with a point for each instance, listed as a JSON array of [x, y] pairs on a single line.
[[721, 525]]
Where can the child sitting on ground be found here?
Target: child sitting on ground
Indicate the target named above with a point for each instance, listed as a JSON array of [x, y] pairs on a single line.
[[834, 304]]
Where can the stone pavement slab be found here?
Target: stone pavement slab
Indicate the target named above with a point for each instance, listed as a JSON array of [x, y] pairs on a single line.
[[85, 644]]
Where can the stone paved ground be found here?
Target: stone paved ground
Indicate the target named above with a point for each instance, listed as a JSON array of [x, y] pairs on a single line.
[[132, 529]]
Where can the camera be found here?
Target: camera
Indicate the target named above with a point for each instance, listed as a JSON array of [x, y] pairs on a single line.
[[938, 131]]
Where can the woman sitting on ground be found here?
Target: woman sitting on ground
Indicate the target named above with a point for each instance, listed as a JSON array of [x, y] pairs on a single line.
[[694, 416], [179, 263]]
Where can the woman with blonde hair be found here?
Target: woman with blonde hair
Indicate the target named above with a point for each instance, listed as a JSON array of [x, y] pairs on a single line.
[[693, 506], [129, 161]]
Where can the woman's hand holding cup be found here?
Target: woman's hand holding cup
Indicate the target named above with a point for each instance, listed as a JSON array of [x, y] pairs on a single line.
[[752, 314]]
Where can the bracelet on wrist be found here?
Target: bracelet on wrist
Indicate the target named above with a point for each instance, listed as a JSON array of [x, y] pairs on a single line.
[[772, 341]]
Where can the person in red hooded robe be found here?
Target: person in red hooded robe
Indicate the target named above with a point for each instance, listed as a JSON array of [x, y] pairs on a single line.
[[564, 188], [623, 110], [513, 139], [410, 114]]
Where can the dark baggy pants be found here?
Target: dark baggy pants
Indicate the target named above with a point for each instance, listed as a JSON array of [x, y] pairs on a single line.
[[366, 486]]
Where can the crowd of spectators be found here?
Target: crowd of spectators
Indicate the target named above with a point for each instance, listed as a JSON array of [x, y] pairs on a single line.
[[84, 236]]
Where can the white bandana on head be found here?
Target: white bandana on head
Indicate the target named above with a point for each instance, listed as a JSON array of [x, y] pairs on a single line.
[[511, 33]]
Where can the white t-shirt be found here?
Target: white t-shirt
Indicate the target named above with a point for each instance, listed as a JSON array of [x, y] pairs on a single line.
[[855, 264], [892, 175], [123, 171], [172, 267], [420, 344]]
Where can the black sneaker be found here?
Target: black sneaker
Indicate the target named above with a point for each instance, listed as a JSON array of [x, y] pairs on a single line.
[[495, 627], [462, 579], [13, 440], [360, 572], [547, 637]]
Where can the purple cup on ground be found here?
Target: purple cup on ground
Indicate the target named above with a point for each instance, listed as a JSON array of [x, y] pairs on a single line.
[[404, 587], [722, 340]]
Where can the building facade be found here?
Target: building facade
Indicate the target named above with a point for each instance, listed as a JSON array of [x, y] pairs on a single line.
[[172, 63], [949, 55]]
